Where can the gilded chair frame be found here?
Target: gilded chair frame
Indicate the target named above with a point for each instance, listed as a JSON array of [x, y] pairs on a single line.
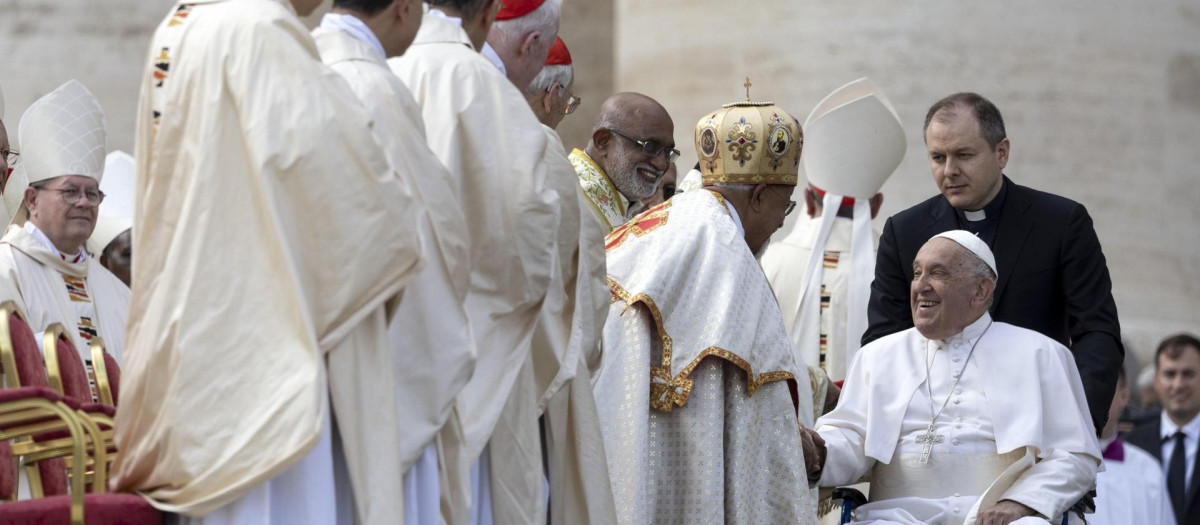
[[101, 439], [35, 415], [100, 370]]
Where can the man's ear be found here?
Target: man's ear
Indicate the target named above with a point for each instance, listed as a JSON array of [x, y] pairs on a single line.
[[601, 138], [529, 42], [548, 97], [810, 203], [756, 198], [876, 203], [1002, 152], [986, 287], [30, 198]]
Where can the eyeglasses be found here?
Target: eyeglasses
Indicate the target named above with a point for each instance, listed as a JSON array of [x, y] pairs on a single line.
[[71, 196], [573, 101], [791, 203], [650, 147], [11, 155]]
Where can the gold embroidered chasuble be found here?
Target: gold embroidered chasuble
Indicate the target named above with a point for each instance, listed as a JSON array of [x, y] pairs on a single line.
[[699, 423], [603, 196]]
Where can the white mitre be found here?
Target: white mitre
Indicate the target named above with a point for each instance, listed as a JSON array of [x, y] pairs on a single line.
[[63, 133], [853, 141], [116, 213]]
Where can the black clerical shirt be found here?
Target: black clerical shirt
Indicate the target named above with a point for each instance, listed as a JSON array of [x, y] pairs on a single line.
[[985, 228]]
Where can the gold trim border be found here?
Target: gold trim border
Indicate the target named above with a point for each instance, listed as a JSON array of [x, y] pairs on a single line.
[[667, 391]]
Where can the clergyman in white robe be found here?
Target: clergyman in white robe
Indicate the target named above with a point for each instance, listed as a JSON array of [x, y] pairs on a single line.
[[429, 333], [481, 128], [1015, 426], [268, 251]]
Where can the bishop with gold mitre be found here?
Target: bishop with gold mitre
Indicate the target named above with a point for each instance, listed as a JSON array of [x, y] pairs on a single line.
[[700, 396]]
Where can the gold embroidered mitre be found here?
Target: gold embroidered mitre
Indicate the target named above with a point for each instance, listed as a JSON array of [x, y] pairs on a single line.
[[749, 143]]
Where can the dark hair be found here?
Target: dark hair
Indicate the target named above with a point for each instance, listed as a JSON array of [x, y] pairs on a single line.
[[991, 124], [467, 9], [366, 7], [1174, 346]]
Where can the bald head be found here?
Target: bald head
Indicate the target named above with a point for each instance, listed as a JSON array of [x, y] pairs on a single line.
[[623, 110], [625, 119]]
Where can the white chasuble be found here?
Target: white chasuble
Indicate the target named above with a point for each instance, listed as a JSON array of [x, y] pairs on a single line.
[[429, 335], [1017, 391], [700, 424], [47, 288], [482, 129], [822, 343], [267, 242]]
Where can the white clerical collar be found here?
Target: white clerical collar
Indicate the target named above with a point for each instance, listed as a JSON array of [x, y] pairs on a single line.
[[46, 243], [490, 53], [1169, 428], [972, 330], [975, 216], [355, 27], [737, 220]]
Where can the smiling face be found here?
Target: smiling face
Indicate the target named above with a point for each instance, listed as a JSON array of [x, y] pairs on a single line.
[[946, 296], [1177, 382], [67, 225], [965, 168]]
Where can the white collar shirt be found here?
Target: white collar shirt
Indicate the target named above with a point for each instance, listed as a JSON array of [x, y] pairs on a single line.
[[1191, 438], [355, 27]]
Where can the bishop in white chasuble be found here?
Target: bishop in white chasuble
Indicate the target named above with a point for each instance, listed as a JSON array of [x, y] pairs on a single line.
[[481, 128], [961, 416], [699, 394], [250, 148]]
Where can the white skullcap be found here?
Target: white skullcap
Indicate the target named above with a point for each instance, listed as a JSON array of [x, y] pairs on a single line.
[[974, 245], [116, 212]]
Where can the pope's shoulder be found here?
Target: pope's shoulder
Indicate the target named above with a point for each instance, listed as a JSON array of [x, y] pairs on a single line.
[[1015, 339]]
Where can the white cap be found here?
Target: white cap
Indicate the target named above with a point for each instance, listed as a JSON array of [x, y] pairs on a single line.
[[63, 133], [853, 141], [116, 212], [974, 245]]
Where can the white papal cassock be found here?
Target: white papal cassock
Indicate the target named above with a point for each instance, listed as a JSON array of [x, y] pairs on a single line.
[[482, 129], [429, 334], [1131, 489], [267, 250], [1019, 392], [693, 390]]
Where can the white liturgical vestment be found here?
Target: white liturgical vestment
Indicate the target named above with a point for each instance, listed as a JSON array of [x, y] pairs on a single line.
[[1131, 489], [482, 129], [823, 343], [268, 241], [700, 425], [1018, 391]]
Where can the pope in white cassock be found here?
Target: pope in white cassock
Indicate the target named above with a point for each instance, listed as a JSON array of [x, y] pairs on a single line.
[[699, 392], [961, 419], [272, 238], [481, 128], [55, 193], [429, 334]]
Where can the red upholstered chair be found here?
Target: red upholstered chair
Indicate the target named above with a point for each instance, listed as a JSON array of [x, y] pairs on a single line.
[[107, 372], [67, 376], [100, 509]]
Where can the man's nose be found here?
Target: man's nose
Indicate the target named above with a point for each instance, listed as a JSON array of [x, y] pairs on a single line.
[[660, 161]]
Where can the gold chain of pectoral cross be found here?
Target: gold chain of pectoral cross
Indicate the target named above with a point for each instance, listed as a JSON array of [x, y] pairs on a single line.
[[928, 439]]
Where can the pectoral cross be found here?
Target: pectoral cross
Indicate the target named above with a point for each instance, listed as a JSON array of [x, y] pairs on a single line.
[[928, 439], [747, 84]]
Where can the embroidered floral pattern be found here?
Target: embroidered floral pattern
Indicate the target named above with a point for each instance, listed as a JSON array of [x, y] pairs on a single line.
[[599, 191], [742, 141], [644, 223]]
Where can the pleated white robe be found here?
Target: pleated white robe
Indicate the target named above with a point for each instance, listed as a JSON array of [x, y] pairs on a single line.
[[267, 250]]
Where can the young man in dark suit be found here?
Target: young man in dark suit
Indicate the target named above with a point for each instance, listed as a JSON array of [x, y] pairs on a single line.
[[1174, 437], [1053, 276]]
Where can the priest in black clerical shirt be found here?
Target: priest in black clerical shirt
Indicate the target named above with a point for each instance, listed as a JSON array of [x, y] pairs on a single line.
[[1053, 276]]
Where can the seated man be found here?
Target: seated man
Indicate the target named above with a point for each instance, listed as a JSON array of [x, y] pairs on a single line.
[[44, 265], [960, 411], [697, 377]]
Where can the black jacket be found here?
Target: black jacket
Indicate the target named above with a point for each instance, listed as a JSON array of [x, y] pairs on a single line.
[[1052, 279], [1148, 437]]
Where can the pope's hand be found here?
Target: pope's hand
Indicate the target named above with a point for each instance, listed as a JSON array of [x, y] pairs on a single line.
[[1003, 513], [814, 453]]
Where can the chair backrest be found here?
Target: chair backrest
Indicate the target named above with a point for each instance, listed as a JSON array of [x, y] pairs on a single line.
[[108, 373], [19, 352], [63, 365]]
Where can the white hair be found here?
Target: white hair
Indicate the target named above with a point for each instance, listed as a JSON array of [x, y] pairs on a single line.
[[544, 19], [548, 76]]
